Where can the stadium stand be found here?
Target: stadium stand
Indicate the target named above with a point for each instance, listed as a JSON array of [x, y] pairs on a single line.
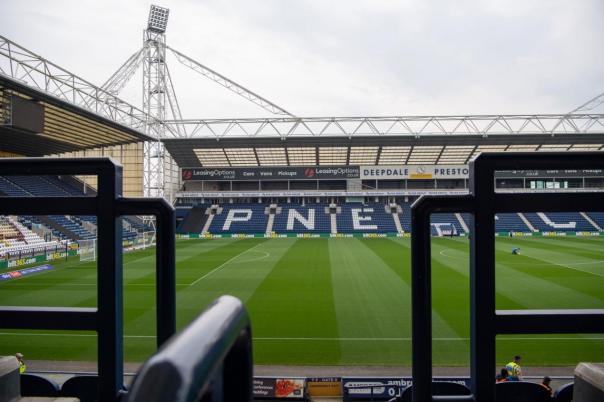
[[556, 221], [447, 222], [62, 227], [16, 238], [355, 217]]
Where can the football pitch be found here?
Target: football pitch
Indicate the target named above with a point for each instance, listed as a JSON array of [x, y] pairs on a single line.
[[329, 301]]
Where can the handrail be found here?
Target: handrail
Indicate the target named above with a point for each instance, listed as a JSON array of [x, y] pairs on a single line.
[[486, 322], [213, 355]]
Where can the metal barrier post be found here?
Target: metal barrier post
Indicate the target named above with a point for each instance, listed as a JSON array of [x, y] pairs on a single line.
[[485, 321], [107, 318]]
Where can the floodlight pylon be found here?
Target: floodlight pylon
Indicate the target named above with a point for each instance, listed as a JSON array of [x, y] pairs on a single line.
[[160, 170]]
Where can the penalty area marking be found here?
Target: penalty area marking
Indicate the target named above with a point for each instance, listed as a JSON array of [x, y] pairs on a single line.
[[560, 338], [224, 264], [263, 256]]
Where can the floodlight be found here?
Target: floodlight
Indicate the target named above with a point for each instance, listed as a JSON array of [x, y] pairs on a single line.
[[158, 19]]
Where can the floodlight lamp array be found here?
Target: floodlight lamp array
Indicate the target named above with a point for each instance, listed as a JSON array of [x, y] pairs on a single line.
[[158, 19]]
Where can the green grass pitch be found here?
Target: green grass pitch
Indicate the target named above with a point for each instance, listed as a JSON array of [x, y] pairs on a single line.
[[329, 301]]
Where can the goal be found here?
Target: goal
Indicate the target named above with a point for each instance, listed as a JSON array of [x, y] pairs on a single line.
[[142, 241], [87, 250], [148, 239]]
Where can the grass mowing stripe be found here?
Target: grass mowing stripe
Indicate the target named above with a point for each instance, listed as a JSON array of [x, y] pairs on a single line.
[[224, 264], [453, 255], [563, 245], [199, 253], [195, 266], [371, 302], [579, 263], [240, 280], [552, 285], [295, 300], [397, 257]]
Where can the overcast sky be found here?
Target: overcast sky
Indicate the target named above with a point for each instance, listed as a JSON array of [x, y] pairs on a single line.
[[339, 58]]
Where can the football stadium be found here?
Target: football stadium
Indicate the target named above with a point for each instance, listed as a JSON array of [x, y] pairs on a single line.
[[361, 257]]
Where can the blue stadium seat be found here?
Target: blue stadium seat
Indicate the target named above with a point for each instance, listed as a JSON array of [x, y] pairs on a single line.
[[35, 385], [510, 223], [564, 393], [53, 186], [521, 391], [559, 222], [438, 388], [83, 387]]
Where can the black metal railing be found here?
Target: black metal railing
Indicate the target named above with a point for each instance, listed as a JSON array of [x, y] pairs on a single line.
[[486, 322], [108, 205], [210, 360]]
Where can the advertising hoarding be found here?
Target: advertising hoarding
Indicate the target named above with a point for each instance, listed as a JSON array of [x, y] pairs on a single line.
[[272, 173]]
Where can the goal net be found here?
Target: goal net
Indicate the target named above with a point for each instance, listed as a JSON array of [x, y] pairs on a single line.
[[87, 250], [142, 241], [148, 239]]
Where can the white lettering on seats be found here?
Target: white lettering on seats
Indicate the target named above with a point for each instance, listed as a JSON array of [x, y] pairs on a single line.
[[569, 225], [357, 220], [308, 223], [244, 215]]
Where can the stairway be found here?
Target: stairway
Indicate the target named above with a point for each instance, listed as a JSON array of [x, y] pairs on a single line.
[[397, 223], [334, 223], [269, 224], [526, 222], [206, 226], [591, 221], [463, 224], [193, 222]]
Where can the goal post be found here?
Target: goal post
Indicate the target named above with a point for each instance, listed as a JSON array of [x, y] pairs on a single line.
[[142, 241], [87, 250], [148, 239]]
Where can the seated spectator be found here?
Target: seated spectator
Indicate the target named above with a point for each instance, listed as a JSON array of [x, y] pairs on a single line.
[[502, 376], [546, 384]]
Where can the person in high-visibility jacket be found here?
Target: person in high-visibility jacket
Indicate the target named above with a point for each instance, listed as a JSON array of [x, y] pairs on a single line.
[[22, 366], [514, 370]]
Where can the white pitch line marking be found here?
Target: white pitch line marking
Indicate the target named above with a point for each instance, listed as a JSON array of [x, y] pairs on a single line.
[[547, 263], [577, 269], [565, 338], [125, 284], [409, 339], [223, 264]]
